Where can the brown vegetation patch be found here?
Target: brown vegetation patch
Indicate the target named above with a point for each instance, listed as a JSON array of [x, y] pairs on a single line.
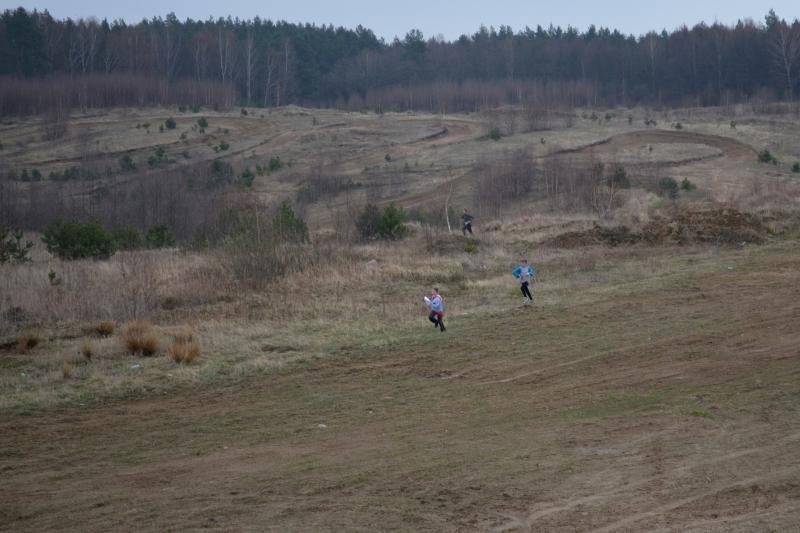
[[27, 340], [87, 349], [105, 328], [716, 226], [184, 349], [140, 337]]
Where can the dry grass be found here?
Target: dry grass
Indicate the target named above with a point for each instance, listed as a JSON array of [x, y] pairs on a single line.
[[66, 371], [105, 328], [27, 340], [140, 337], [128, 286], [88, 349], [184, 349]]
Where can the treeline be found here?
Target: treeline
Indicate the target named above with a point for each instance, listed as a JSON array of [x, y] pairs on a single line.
[[274, 63]]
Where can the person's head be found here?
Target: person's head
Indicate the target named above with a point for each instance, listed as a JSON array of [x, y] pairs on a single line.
[[436, 290], [523, 261], [465, 209]]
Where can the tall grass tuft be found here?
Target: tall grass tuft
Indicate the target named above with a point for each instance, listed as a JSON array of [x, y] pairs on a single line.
[[87, 349], [105, 328], [27, 340], [140, 337], [184, 348]]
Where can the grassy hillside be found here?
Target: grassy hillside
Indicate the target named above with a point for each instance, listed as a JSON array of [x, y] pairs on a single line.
[[653, 386]]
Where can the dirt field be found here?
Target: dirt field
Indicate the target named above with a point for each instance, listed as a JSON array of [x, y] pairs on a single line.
[[663, 404]]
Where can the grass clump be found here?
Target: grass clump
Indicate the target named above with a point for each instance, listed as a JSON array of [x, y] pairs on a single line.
[[765, 156], [494, 134], [105, 328], [87, 349], [796, 168], [184, 348], [27, 341], [140, 337]]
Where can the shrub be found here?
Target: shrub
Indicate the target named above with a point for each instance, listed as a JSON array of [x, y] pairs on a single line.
[[170, 123], [127, 238], [181, 109], [202, 122], [126, 163], [391, 223], [11, 247], [195, 109], [687, 185], [494, 134], [224, 146], [140, 337], [71, 173], [105, 328], [733, 124], [288, 227], [247, 178], [244, 112], [74, 240], [27, 341], [387, 157], [87, 349], [275, 163], [796, 168], [221, 173], [471, 247], [368, 221], [373, 223], [184, 349], [668, 187], [764, 156], [158, 236], [619, 179]]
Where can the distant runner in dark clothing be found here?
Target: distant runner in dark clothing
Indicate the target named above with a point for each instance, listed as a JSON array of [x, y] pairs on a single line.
[[466, 225]]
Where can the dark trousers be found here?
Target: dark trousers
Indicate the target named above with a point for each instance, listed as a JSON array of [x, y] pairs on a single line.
[[526, 292], [467, 228], [437, 319]]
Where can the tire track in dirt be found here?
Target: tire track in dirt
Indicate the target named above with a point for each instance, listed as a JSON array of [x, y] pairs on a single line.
[[732, 151], [528, 521]]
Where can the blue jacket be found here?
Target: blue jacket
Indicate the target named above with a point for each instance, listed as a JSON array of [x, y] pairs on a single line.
[[437, 304], [524, 273]]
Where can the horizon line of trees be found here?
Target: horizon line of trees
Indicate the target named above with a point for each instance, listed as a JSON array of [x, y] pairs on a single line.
[[269, 63]]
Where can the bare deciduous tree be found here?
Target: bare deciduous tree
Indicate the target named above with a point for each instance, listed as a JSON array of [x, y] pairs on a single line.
[[249, 64], [785, 48]]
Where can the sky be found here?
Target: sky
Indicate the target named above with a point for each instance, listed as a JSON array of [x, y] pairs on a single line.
[[434, 18]]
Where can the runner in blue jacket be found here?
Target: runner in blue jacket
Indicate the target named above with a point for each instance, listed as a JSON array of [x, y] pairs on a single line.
[[525, 273]]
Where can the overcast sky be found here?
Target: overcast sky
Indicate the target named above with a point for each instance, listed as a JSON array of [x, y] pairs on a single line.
[[450, 19]]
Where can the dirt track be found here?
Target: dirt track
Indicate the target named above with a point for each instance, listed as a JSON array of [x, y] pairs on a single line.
[[670, 406]]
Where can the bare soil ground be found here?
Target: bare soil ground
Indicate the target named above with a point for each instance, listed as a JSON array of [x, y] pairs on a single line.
[[664, 404]]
